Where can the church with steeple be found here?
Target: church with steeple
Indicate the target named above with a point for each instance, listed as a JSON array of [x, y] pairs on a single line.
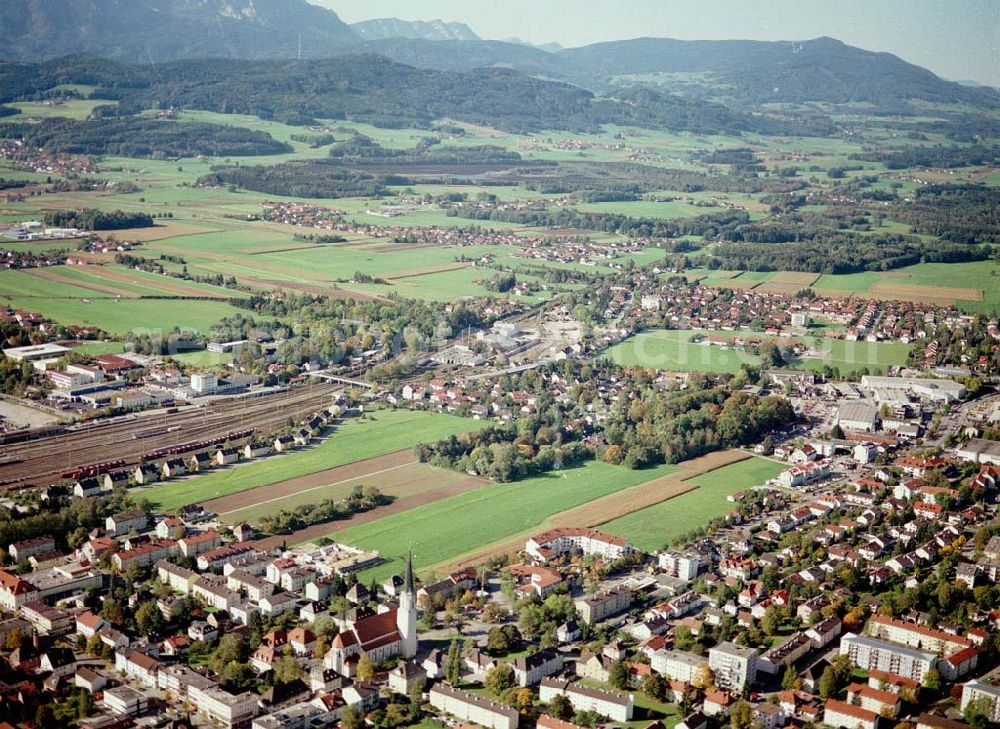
[[392, 632]]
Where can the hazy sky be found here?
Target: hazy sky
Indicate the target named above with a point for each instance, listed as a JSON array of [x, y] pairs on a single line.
[[957, 39]]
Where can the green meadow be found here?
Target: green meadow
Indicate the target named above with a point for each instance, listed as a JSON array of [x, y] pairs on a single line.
[[376, 434], [651, 528], [674, 351], [983, 275], [447, 529], [71, 304]]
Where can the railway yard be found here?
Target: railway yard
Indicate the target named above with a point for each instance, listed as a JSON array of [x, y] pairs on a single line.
[[112, 444]]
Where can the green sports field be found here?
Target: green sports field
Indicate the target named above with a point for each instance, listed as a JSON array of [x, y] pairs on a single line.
[[651, 528], [95, 348], [673, 350], [447, 529], [378, 433]]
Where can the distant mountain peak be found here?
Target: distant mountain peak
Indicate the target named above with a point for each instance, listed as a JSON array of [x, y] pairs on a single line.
[[432, 30], [161, 30], [550, 47]]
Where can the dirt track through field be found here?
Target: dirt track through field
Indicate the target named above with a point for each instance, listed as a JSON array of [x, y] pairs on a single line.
[[391, 247], [177, 287], [918, 292], [319, 479], [304, 288], [278, 499], [610, 507], [401, 504], [160, 231], [413, 273], [55, 277]]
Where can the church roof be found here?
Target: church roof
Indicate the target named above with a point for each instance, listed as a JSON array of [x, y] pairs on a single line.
[[344, 639], [377, 630], [368, 633]]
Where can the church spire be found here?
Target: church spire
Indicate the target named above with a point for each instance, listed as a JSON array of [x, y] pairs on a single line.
[[406, 613], [408, 575]]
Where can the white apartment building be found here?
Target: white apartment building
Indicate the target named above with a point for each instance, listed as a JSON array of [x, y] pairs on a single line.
[[679, 665], [556, 542], [874, 654], [734, 667], [472, 708], [125, 701], [225, 708], [680, 565], [975, 691], [180, 579], [848, 716], [916, 636], [617, 707]]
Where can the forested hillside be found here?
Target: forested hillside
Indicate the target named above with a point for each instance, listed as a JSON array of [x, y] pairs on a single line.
[[135, 137], [374, 90], [747, 72]]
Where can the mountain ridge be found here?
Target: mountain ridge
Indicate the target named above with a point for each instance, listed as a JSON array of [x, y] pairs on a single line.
[[144, 31], [754, 72], [430, 30], [739, 72]]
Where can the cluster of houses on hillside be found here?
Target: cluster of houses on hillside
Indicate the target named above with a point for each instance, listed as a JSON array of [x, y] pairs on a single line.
[[37, 159]]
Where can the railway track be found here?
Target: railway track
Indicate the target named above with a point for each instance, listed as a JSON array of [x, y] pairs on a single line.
[[40, 462]]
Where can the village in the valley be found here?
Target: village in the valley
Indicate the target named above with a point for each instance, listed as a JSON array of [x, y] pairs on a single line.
[[552, 365], [858, 583]]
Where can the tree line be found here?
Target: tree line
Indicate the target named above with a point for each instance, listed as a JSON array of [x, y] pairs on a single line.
[[316, 178], [91, 219], [137, 137], [966, 213], [709, 225], [362, 498], [937, 156], [505, 453], [361, 149]]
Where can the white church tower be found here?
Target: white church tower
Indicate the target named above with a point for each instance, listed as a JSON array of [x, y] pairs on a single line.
[[406, 614]]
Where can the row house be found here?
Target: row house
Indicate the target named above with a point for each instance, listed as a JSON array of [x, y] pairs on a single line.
[[231, 554], [532, 668], [127, 521], [596, 608], [180, 579], [215, 593], [254, 587], [144, 555], [195, 544], [615, 706], [138, 666]]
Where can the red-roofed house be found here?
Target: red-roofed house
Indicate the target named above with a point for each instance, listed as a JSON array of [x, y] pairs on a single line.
[[556, 542], [848, 716]]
